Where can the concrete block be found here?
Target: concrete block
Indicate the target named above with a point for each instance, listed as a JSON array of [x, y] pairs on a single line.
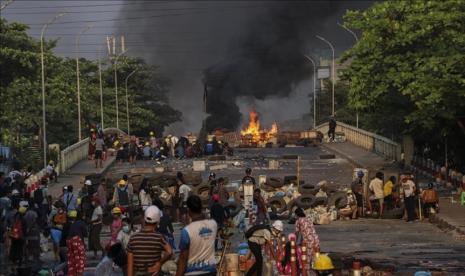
[[141, 170], [198, 166], [218, 167]]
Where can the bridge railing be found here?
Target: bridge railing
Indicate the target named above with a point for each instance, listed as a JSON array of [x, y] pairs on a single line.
[[77, 152], [368, 140]]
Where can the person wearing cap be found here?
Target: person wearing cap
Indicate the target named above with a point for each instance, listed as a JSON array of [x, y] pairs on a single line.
[[197, 244], [350, 210], [148, 248], [263, 236], [116, 224], [306, 230], [76, 253], [96, 227], [69, 199]]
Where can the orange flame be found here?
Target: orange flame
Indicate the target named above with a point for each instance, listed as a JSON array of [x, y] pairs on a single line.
[[253, 132]]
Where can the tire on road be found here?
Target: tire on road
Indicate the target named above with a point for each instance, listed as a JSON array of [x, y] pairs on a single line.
[[274, 182], [233, 207], [338, 199], [306, 189], [278, 203], [305, 201], [203, 191], [395, 213]]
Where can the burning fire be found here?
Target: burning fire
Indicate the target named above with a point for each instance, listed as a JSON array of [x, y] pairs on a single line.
[[254, 134]]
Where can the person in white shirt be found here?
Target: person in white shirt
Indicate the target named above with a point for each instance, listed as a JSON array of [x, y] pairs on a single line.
[[144, 195], [184, 192], [377, 188], [409, 197], [197, 242]]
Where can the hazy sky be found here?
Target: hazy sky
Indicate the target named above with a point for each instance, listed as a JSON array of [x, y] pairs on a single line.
[[182, 37]]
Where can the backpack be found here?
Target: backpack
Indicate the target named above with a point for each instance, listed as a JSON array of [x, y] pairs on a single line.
[[38, 196], [60, 218], [255, 228], [16, 232]]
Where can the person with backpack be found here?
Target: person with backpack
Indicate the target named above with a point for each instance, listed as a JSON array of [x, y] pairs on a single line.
[[41, 203], [95, 221], [58, 221], [32, 234], [123, 194], [69, 199], [258, 236], [16, 236]]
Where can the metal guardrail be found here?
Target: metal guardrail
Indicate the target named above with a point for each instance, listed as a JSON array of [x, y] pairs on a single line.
[[368, 140], [73, 154]]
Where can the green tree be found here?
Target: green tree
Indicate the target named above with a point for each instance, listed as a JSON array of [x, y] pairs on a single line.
[[408, 68], [21, 94]]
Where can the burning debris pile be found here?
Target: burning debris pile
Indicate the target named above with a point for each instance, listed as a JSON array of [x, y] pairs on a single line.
[[253, 135]]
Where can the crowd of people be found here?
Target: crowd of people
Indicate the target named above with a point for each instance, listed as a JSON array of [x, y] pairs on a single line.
[[132, 148]]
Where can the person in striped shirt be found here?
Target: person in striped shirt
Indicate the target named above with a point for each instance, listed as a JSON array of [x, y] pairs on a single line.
[[148, 247]]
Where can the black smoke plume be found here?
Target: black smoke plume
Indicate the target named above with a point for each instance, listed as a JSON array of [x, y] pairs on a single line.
[[269, 59]]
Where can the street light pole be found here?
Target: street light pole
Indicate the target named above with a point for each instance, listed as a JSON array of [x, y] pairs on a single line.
[[356, 40], [116, 86], [127, 101], [314, 89], [332, 69], [44, 132], [100, 82], [78, 81]]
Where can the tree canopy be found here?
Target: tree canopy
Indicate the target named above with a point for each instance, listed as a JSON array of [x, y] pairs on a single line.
[[409, 66], [21, 94]]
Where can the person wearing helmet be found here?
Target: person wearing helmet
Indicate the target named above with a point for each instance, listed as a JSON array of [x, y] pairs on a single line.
[[323, 265], [305, 229], [248, 178], [357, 190], [259, 236], [116, 224], [147, 151], [123, 193], [197, 244], [75, 244], [148, 248], [69, 199]]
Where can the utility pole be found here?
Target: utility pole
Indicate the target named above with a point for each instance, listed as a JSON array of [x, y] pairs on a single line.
[[100, 84], [356, 40], [332, 69], [44, 131], [115, 63], [78, 81], [314, 89], [127, 99]]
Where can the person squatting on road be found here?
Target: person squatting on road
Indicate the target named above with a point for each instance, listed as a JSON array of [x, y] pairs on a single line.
[[258, 236]]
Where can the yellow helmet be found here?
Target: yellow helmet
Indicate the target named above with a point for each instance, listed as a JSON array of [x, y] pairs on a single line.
[[22, 210], [116, 210], [151, 133], [122, 183], [323, 262], [147, 143], [72, 214]]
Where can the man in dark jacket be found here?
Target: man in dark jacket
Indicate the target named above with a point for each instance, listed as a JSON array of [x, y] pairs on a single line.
[[217, 213]]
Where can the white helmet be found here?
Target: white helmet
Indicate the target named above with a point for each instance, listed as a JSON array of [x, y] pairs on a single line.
[[278, 225], [88, 182], [152, 214]]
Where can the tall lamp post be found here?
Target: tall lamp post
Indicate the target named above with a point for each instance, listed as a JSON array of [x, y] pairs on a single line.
[[100, 84], [44, 132], [116, 85], [78, 81], [314, 89], [332, 69], [127, 99], [356, 40]]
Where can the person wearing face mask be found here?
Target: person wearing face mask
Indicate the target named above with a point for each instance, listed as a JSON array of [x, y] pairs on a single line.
[[125, 233], [96, 227]]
